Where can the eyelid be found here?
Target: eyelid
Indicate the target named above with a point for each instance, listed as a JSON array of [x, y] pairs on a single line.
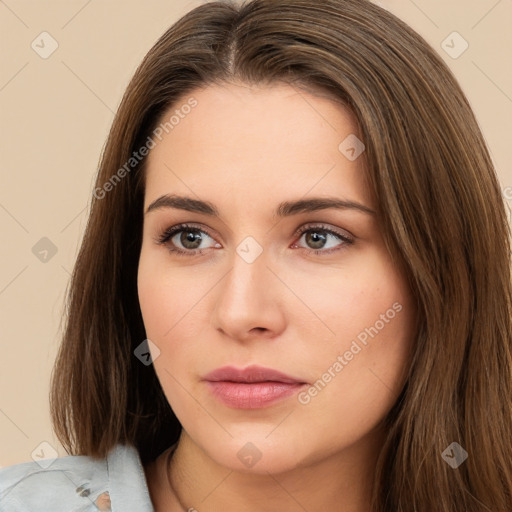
[[343, 234]]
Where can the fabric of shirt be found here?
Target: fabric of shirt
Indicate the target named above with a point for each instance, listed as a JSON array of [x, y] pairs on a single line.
[[77, 484]]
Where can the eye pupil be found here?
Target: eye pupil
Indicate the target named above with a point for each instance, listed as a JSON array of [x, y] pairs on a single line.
[[318, 240]]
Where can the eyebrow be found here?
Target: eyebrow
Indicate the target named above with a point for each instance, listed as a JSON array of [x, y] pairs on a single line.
[[284, 209]]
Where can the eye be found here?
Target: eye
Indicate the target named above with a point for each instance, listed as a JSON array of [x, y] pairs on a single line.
[[323, 240], [184, 239]]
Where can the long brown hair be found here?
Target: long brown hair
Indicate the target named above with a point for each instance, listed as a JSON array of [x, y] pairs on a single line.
[[441, 213]]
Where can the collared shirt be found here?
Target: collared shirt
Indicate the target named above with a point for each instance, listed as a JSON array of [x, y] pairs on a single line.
[[75, 483]]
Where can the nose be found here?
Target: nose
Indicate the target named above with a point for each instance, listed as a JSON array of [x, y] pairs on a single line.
[[250, 301]]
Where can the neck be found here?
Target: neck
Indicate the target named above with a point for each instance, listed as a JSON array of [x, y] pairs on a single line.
[[339, 482]]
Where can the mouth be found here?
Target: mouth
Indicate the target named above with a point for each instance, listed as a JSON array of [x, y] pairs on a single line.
[[253, 387]]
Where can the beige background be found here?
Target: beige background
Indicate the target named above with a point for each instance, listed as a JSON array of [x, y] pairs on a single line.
[[55, 115]]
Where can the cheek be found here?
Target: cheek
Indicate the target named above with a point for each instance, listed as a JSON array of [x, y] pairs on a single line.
[[360, 360], [167, 304], [167, 296], [175, 305], [359, 382], [364, 299], [154, 300]]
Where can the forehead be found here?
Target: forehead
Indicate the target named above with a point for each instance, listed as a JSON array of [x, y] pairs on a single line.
[[254, 143]]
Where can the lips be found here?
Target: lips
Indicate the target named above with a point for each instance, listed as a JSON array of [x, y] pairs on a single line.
[[250, 374], [252, 387]]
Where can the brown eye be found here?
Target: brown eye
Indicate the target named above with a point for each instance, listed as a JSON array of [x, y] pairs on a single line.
[[190, 239], [315, 240], [186, 240], [322, 240]]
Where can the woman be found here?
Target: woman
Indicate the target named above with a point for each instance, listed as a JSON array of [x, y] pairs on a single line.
[[294, 289]]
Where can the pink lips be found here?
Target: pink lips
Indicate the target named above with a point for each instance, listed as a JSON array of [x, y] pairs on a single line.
[[251, 388]]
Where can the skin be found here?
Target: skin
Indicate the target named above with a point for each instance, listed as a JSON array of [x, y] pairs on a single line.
[[246, 149]]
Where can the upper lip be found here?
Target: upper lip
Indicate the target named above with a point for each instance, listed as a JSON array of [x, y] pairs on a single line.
[[252, 373]]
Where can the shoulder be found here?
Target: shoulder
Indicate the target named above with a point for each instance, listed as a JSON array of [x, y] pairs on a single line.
[[77, 484]]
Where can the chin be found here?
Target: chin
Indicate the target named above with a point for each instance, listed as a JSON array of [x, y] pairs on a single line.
[[256, 452]]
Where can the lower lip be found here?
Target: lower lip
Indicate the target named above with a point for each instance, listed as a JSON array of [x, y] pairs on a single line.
[[254, 395]]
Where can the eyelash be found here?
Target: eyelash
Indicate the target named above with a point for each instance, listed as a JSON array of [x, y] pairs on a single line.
[[169, 233]]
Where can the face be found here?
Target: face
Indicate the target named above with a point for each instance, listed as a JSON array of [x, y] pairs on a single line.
[[280, 329]]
